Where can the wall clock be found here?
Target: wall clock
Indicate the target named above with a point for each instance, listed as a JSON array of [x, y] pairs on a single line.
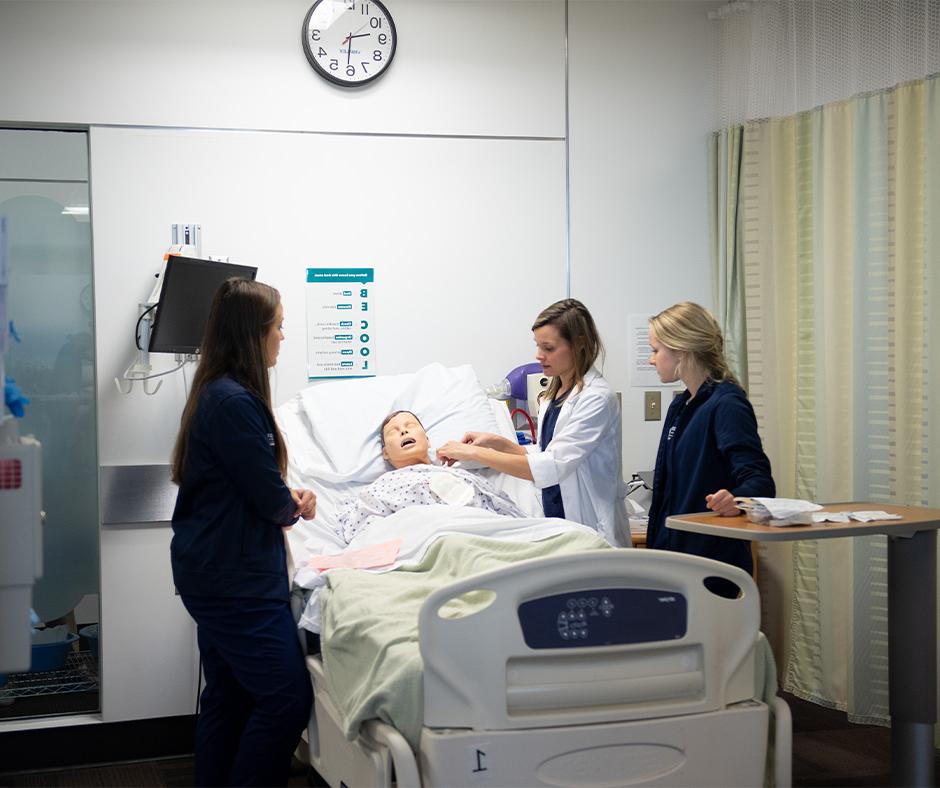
[[349, 42]]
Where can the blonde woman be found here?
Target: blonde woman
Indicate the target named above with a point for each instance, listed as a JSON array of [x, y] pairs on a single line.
[[577, 461], [709, 451]]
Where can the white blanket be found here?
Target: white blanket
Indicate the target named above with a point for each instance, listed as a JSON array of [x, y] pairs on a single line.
[[418, 527]]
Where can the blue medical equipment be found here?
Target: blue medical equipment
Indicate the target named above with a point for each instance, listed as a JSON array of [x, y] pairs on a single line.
[[522, 385], [13, 398], [516, 383]]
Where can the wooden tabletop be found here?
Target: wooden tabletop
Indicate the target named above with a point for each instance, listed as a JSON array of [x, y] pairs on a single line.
[[915, 518]]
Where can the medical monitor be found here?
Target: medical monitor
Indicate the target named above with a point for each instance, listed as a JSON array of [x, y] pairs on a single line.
[[189, 285]]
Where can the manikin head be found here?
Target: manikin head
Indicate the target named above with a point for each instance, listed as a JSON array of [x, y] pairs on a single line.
[[404, 441]]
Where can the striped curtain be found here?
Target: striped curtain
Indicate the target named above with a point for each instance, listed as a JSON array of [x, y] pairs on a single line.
[[724, 165], [839, 217]]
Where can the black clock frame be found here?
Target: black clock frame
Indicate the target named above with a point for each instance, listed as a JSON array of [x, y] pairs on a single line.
[[326, 74]]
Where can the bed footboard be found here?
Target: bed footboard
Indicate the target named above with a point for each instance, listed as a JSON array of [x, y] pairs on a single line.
[[598, 636]]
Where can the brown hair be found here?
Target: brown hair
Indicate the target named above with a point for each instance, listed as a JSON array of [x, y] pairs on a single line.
[[391, 416], [576, 326], [690, 329], [234, 344]]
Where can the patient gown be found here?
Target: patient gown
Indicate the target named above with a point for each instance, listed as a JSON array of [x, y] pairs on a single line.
[[415, 486]]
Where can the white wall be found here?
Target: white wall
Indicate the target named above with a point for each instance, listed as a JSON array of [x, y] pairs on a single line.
[[472, 221], [462, 67], [640, 110], [445, 223]]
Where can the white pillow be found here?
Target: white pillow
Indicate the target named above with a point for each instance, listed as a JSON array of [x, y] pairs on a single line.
[[332, 433], [332, 429]]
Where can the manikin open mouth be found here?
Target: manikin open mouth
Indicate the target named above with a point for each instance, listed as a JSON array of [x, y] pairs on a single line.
[[408, 442]]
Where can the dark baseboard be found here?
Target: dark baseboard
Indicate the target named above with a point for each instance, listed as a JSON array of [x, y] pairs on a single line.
[[84, 745]]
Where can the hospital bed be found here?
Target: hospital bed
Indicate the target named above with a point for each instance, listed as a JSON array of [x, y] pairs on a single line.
[[598, 667]]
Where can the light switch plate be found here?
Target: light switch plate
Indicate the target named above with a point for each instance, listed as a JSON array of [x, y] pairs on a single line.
[[652, 405]]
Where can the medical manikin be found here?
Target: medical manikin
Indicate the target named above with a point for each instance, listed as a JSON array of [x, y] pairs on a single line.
[[415, 481]]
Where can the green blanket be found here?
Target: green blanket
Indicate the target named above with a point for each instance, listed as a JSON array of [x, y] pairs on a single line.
[[370, 624]]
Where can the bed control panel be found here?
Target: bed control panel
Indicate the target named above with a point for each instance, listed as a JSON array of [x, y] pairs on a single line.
[[603, 617]]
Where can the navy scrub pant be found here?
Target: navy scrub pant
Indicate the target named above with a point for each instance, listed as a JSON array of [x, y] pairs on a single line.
[[258, 694]]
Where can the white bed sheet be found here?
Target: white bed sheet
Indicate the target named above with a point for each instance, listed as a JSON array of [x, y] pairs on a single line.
[[334, 449], [419, 527]]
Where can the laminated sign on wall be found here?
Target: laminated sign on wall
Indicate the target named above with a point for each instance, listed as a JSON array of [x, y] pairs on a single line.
[[340, 339]]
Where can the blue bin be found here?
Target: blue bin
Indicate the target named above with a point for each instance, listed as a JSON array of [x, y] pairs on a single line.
[[51, 656], [89, 640]]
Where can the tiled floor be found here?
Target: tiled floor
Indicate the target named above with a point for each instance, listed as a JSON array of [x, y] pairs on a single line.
[[827, 751]]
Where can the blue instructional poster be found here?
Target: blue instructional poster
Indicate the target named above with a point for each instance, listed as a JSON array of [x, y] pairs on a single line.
[[340, 332]]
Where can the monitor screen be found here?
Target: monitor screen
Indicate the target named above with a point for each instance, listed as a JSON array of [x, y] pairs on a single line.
[[189, 285]]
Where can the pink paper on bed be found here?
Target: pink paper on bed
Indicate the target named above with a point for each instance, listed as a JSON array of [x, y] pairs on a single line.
[[370, 557]]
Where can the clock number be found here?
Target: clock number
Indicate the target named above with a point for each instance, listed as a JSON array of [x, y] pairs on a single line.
[[364, 69], [365, 9], [315, 35], [334, 64], [321, 52], [377, 55], [375, 23], [350, 71], [383, 38]]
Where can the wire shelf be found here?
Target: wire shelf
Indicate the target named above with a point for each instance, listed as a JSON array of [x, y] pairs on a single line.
[[80, 674]]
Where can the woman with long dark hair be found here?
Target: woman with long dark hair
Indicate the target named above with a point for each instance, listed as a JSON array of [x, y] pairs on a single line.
[[577, 461], [228, 552]]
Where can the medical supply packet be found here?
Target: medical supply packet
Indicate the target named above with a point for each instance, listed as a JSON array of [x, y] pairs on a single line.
[[778, 511], [791, 511], [847, 517]]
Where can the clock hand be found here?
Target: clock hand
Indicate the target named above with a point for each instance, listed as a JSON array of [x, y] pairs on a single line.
[[349, 47]]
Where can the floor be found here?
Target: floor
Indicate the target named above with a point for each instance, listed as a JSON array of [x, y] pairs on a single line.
[[827, 751]]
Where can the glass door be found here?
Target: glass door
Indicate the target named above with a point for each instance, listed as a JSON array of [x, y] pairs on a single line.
[[44, 198]]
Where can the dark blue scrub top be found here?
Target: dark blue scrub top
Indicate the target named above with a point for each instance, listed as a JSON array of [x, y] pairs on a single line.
[[551, 496]]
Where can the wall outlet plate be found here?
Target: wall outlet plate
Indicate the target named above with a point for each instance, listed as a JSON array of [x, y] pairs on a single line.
[[652, 405]]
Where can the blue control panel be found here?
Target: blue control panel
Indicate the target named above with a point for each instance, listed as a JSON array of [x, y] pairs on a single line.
[[603, 617]]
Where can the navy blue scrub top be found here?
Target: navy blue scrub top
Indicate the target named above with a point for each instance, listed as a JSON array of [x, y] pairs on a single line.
[[551, 496]]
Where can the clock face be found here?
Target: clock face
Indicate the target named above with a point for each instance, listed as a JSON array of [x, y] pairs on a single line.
[[349, 42]]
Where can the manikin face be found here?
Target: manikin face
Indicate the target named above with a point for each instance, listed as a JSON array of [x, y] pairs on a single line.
[[274, 337], [553, 352], [406, 442], [665, 360]]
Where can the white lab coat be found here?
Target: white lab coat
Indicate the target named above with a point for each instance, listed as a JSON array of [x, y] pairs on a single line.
[[584, 459]]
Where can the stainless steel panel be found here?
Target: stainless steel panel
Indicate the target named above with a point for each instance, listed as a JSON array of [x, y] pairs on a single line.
[[136, 494]]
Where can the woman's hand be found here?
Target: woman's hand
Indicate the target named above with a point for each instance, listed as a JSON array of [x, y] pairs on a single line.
[[306, 502], [723, 503], [455, 451], [487, 440]]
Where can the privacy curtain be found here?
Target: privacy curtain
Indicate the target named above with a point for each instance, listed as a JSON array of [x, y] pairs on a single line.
[[837, 267], [724, 172]]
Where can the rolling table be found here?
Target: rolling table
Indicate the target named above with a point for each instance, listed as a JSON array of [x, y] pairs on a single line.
[[912, 612]]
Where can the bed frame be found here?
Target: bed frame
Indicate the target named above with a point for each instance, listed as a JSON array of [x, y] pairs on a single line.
[[530, 690]]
